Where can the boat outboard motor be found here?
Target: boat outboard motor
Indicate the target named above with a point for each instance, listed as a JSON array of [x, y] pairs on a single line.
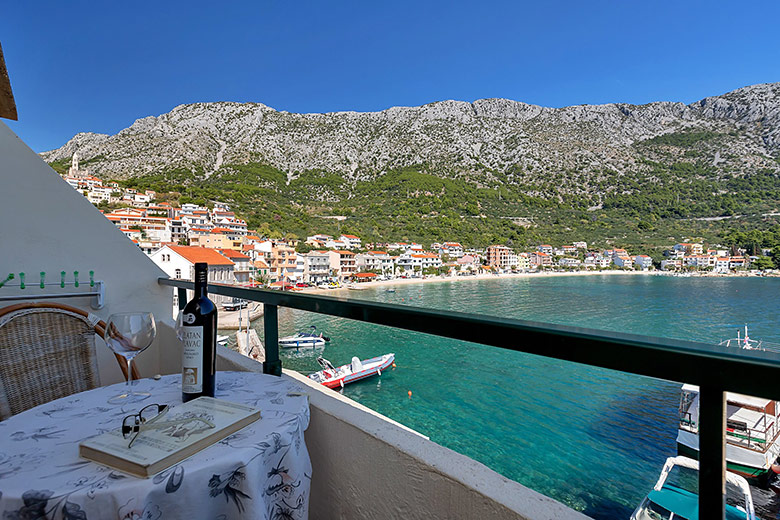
[[325, 364]]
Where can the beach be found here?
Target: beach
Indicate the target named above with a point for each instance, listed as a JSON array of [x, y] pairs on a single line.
[[485, 276]]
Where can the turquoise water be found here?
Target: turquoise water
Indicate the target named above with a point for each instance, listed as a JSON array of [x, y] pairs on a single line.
[[591, 438]]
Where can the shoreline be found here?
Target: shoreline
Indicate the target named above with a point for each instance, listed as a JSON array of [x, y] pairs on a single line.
[[545, 274], [486, 276]]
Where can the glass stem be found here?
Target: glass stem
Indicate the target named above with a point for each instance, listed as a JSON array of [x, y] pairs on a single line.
[[128, 385]]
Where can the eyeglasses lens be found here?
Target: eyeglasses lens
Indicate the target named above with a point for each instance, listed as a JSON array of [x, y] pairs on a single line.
[[149, 412]]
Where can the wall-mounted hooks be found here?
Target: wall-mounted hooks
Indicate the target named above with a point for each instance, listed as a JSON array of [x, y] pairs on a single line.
[[96, 291], [8, 278]]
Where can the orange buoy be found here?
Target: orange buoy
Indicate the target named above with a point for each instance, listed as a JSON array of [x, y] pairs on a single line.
[[393, 365], [410, 394]]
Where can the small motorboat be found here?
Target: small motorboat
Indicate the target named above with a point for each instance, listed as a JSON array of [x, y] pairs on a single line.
[[391, 289], [304, 339], [333, 377], [222, 341], [675, 495]]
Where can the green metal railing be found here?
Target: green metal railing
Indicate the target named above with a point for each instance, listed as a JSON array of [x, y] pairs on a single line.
[[714, 369]]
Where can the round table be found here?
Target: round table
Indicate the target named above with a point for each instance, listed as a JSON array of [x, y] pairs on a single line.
[[261, 471]]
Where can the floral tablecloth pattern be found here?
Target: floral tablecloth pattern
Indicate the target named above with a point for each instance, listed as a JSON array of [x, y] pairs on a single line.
[[261, 471]]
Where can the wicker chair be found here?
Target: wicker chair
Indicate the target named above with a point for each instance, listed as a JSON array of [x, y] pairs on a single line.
[[47, 351]]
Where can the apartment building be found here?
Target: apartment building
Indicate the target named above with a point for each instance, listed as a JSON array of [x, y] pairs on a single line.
[[498, 256], [375, 261], [316, 266]]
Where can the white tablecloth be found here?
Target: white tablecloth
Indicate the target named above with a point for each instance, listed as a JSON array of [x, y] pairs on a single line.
[[262, 471]]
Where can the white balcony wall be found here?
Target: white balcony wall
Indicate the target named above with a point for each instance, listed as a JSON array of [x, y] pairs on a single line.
[[367, 466], [48, 226]]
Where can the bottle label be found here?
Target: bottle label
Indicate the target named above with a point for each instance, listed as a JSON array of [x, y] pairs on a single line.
[[192, 360]]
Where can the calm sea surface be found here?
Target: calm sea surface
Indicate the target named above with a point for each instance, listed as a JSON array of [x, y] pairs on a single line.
[[592, 438]]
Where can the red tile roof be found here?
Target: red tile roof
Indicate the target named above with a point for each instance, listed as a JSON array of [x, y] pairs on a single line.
[[201, 254], [351, 236], [233, 254]]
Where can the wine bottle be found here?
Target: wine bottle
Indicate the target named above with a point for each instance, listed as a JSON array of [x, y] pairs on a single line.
[[199, 334]]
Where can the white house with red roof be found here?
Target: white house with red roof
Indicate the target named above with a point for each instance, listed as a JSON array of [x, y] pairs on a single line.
[[411, 261], [242, 264], [451, 249], [540, 258], [689, 248], [643, 262], [722, 264], [317, 267], [350, 241], [621, 258], [179, 262], [737, 261], [336, 244], [155, 228], [568, 261], [375, 260], [700, 261]]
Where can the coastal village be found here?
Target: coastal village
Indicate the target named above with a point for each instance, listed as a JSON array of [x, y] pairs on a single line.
[[177, 237]]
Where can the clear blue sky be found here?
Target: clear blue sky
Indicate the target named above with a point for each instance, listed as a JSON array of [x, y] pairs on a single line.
[[97, 66]]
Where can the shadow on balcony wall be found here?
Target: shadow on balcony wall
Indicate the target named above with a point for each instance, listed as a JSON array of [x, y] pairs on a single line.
[[48, 226]]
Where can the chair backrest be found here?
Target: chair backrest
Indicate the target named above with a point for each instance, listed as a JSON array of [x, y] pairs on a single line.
[[47, 351]]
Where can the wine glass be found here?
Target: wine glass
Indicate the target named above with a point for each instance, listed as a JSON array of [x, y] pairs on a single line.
[[128, 334]]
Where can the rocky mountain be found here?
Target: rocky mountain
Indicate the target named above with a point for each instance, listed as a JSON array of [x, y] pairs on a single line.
[[452, 137], [405, 172]]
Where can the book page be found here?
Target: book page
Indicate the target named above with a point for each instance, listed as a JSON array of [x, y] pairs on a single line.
[[155, 444]]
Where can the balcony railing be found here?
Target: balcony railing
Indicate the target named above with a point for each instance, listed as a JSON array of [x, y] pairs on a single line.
[[714, 369]]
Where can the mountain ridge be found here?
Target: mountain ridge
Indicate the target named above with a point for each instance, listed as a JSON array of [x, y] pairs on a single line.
[[349, 142], [489, 171]]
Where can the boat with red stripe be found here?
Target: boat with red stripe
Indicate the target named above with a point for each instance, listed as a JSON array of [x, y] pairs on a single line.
[[337, 377]]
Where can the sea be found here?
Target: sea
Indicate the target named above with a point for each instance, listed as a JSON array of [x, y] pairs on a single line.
[[591, 438]]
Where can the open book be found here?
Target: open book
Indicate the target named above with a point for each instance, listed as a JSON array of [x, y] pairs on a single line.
[[156, 449]]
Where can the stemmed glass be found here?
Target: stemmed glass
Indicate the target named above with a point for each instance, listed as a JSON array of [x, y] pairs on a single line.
[[128, 334]]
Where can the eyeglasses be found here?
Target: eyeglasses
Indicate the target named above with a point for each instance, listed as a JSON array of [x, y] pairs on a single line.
[[149, 418]]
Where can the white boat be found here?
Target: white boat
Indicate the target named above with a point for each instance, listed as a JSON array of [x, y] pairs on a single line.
[[222, 340], [356, 370], [304, 339], [744, 342], [752, 424], [675, 495]]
